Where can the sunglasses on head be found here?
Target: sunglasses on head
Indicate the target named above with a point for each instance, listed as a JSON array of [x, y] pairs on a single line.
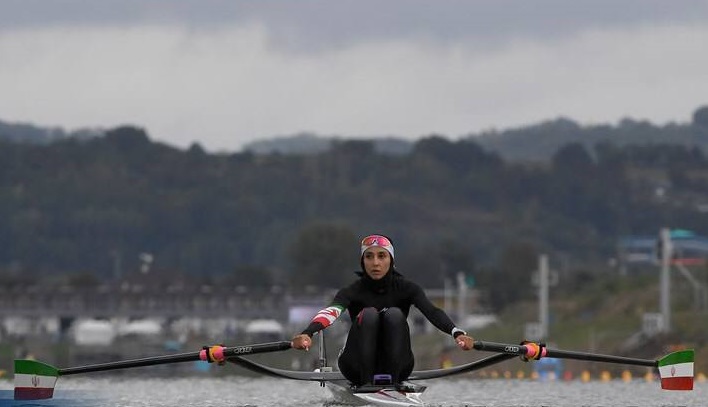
[[376, 240]]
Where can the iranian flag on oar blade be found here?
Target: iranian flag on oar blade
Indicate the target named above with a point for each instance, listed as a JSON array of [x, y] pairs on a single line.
[[676, 370], [34, 380]]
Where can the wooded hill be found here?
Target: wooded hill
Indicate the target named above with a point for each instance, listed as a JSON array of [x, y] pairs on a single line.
[[89, 207], [533, 143]]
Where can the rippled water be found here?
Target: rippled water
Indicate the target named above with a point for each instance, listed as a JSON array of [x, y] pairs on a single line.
[[267, 392]]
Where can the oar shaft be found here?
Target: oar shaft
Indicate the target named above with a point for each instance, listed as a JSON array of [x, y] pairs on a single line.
[[125, 364], [178, 358], [524, 350], [566, 354]]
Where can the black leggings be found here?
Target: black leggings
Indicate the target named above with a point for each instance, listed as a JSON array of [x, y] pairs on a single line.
[[378, 343]]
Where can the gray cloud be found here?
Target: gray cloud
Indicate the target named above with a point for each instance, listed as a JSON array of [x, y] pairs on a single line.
[[225, 72], [307, 25]]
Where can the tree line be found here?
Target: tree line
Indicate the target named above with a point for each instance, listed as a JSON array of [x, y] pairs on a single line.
[[91, 207]]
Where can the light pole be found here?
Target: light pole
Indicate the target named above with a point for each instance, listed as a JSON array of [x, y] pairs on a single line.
[[666, 254], [543, 278], [543, 294]]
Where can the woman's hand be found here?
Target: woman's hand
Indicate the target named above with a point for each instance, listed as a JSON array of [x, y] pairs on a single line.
[[302, 341], [465, 342]]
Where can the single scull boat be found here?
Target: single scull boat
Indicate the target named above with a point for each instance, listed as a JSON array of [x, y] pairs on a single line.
[[36, 380]]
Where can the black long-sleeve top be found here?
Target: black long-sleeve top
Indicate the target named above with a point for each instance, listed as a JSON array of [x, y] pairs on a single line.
[[393, 290]]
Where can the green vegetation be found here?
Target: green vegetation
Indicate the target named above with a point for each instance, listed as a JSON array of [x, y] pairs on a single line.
[[83, 210], [604, 315]]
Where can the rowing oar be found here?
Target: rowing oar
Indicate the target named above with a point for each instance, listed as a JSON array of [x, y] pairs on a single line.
[[36, 380], [675, 369]]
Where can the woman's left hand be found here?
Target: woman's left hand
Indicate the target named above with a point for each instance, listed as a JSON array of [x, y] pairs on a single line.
[[465, 342], [302, 341]]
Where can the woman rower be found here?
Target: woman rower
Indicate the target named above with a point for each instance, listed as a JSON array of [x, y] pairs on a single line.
[[378, 303]]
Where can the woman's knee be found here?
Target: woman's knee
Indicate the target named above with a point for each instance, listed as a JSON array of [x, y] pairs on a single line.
[[368, 316], [394, 314]]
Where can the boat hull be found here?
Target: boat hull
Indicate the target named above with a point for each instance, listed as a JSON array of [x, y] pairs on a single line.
[[402, 396]]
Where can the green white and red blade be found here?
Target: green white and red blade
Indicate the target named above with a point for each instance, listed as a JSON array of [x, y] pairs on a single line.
[[34, 380], [676, 370]]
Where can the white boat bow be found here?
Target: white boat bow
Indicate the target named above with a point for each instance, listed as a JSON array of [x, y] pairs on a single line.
[[408, 395]]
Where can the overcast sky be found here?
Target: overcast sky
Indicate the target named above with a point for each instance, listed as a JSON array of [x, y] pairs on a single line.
[[224, 73]]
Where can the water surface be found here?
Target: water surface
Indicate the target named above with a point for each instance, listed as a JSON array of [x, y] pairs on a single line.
[[267, 392]]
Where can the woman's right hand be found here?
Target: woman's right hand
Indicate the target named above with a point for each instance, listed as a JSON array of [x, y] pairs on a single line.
[[302, 341], [465, 342]]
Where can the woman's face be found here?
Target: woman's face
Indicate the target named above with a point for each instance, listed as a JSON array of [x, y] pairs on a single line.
[[377, 262]]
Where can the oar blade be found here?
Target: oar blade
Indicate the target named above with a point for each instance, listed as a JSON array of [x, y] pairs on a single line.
[[676, 370], [34, 380]]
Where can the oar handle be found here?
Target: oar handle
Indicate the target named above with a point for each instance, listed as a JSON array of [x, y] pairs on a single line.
[[520, 350], [535, 351]]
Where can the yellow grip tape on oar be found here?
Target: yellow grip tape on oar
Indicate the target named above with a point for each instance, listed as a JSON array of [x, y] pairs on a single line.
[[213, 354], [534, 351]]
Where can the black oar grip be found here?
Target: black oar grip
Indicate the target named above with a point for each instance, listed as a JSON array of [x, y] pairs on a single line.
[[256, 348]]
